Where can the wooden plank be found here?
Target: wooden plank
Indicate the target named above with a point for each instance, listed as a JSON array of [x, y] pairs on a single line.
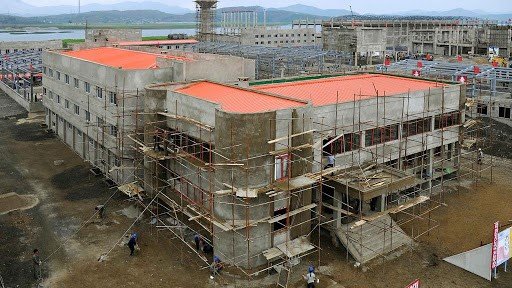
[[332, 140], [343, 211], [291, 136], [195, 122], [285, 150], [291, 213]]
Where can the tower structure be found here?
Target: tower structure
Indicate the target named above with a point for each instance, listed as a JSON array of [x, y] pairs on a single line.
[[205, 19]]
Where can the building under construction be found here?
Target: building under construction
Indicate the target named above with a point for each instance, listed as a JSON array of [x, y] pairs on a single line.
[[257, 171], [440, 37], [91, 95]]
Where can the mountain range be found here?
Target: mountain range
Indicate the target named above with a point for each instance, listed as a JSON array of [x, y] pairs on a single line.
[[164, 12]]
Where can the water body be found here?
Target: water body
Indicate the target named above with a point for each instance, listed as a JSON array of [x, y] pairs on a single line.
[[54, 34]]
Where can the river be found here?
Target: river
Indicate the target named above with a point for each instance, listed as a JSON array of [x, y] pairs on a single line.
[[52, 34]]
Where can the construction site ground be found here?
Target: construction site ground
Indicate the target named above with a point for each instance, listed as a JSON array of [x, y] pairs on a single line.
[[36, 163]]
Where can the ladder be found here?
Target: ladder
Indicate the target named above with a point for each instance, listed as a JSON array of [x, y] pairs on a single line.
[[284, 277]]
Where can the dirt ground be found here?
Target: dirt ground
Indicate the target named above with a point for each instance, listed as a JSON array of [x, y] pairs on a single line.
[[68, 193]]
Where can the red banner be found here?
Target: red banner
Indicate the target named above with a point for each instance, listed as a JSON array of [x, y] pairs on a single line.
[[414, 284], [419, 64], [459, 58], [476, 69], [494, 261], [387, 62]]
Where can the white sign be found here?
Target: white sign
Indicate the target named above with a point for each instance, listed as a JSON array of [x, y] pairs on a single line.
[[414, 284], [504, 244]]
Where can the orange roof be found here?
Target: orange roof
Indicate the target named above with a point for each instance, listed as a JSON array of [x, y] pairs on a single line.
[[158, 42], [325, 91], [238, 100], [121, 58]]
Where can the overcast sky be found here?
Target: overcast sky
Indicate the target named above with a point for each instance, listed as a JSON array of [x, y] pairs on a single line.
[[361, 6]]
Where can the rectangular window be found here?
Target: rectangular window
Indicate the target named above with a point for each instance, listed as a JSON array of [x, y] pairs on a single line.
[[113, 98], [44, 70], [87, 116], [112, 130], [76, 82], [58, 75], [415, 127], [50, 72], [100, 122], [66, 78], [504, 112], [282, 167], [381, 135], [447, 120], [58, 99], [481, 109], [50, 94], [77, 110], [99, 92], [70, 126], [87, 87], [66, 103], [347, 142]]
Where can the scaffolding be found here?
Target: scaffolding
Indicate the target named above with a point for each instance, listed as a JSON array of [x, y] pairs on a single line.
[[205, 19], [22, 72], [177, 173], [278, 62]]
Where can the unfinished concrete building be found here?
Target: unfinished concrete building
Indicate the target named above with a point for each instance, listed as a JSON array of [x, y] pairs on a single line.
[[104, 36], [205, 19], [90, 96], [256, 171], [362, 42], [242, 27], [7, 47], [440, 37]]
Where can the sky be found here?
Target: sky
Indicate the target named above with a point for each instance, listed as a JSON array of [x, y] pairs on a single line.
[[360, 6]]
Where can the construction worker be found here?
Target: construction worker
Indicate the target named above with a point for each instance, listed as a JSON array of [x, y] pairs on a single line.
[[132, 243], [480, 156], [330, 161], [36, 264], [216, 266], [310, 277], [197, 240], [101, 211]]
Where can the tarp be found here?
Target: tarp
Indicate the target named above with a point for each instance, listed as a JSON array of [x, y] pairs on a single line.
[[476, 261]]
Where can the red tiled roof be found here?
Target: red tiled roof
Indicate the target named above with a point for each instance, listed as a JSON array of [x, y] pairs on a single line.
[[158, 42], [121, 58], [325, 91], [237, 100]]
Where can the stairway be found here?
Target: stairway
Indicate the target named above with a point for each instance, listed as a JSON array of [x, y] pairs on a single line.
[[372, 239]]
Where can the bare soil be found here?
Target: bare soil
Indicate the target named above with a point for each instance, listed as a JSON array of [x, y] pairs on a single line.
[[68, 194]]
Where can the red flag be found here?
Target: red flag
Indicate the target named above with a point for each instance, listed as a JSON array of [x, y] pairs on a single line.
[[387, 62], [419, 64], [476, 69], [416, 73], [459, 58], [494, 63]]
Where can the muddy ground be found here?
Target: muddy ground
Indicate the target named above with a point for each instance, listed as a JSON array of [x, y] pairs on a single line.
[[68, 194]]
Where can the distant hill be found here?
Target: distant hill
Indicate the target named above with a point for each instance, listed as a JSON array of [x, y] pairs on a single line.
[[305, 9], [20, 8], [146, 16], [459, 12]]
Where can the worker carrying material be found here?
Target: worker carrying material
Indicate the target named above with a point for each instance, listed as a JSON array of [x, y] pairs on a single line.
[[310, 277]]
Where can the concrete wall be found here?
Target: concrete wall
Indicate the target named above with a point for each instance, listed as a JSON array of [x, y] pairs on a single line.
[[29, 45], [20, 99], [112, 35], [273, 37], [366, 114]]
